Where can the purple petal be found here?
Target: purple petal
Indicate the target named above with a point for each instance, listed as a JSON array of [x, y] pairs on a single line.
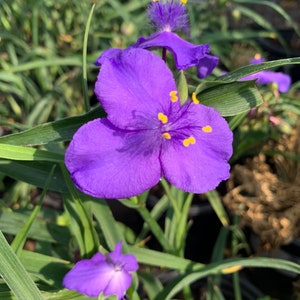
[[128, 261], [186, 54], [107, 162], [107, 54], [265, 77], [206, 65], [200, 167], [134, 87]]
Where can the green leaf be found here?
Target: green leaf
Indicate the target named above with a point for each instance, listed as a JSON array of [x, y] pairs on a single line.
[[260, 262], [229, 98], [20, 239], [34, 173], [24, 153], [277, 8], [56, 131], [107, 223], [251, 69], [15, 275], [218, 207], [81, 219], [182, 87], [41, 230], [47, 269], [163, 260]]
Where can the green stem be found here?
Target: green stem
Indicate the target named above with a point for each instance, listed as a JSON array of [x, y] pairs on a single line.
[[155, 228], [171, 198], [84, 62]]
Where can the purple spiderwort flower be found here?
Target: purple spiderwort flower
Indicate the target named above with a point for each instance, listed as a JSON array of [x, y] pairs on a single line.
[[283, 81], [147, 133], [109, 274], [167, 16]]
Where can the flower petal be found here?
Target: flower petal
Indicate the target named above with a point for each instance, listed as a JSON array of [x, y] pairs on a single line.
[[133, 87], [206, 65], [110, 163], [118, 284], [202, 165], [90, 276], [186, 54], [107, 54], [264, 77], [128, 261]]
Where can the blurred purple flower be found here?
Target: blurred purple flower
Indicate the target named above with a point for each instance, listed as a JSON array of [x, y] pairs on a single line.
[[109, 274], [166, 17], [147, 134], [283, 81]]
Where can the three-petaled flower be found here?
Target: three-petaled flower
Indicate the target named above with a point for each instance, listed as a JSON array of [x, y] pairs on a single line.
[[166, 17], [109, 274], [147, 133]]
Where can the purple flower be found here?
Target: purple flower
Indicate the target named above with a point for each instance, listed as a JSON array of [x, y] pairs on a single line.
[[282, 80], [147, 134], [166, 17], [110, 275]]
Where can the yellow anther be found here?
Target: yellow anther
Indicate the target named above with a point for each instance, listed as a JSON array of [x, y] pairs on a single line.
[[257, 56], [231, 269], [194, 98], [184, 1], [162, 117], [189, 141], [155, 0], [166, 135], [173, 96], [207, 128]]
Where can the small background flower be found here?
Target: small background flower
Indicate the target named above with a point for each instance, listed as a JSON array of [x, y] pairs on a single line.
[[110, 275]]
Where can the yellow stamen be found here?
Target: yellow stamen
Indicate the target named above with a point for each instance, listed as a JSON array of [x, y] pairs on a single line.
[[173, 96], [257, 56], [231, 269], [194, 98], [162, 117], [166, 135], [155, 0], [189, 141], [184, 1], [207, 128]]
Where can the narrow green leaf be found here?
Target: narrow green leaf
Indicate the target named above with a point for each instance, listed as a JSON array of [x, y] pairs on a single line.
[[277, 8], [15, 275], [24, 153], [48, 269], [260, 262], [163, 260], [54, 61], [41, 230], [107, 223], [20, 239], [218, 207], [84, 61], [56, 131], [230, 98], [151, 284], [81, 219], [251, 69], [34, 172], [182, 87]]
